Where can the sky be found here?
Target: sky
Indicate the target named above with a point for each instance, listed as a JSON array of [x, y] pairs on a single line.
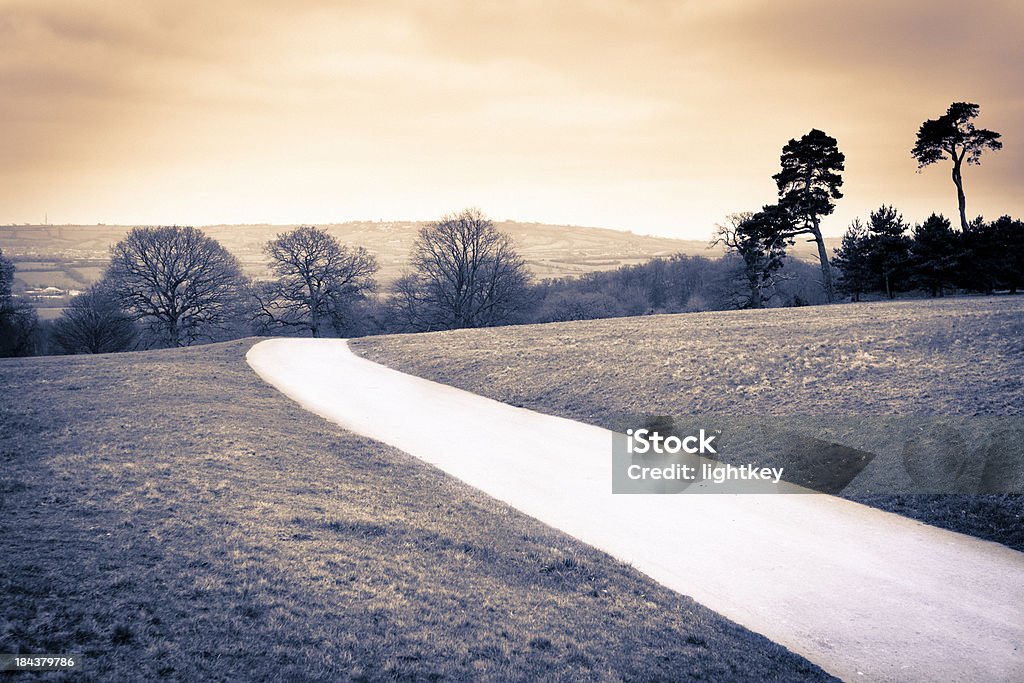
[[657, 117]]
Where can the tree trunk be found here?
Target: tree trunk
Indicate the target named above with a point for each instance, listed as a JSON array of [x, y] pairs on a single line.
[[755, 296], [826, 269], [314, 322], [960, 198], [174, 337]]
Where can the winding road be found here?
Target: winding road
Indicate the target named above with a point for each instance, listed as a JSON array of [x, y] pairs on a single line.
[[865, 594]]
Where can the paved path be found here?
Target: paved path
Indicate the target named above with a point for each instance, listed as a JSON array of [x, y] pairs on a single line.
[[865, 594]]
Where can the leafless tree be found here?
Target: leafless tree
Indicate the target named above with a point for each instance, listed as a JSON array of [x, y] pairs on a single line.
[[6, 278], [466, 274], [756, 239], [318, 279], [18, 320], [94, 323], [180, 283]]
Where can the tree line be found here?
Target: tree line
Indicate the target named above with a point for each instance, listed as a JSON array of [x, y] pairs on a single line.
[[888, 256], [175, 286], [882, 256]]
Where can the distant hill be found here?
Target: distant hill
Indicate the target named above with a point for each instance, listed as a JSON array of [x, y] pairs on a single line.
[[72, 255]]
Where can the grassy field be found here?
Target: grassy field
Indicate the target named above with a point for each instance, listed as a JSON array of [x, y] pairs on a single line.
[[959, 357], [170, 516]]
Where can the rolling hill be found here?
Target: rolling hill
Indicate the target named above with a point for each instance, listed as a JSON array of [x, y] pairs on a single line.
[[869, 376], [167, 515], [69, 256]]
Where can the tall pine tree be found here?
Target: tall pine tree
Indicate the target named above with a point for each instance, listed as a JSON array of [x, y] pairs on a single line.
[[851, 258], [808, 184], [935, 254], [889, 250]]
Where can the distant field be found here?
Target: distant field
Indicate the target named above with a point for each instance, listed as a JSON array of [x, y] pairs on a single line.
[[958, 357], [49, 313], [49, 278], [54, 271], [169, 515], [550, 250]]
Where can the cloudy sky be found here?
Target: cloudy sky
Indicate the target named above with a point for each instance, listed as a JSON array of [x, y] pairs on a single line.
[[660, 117]]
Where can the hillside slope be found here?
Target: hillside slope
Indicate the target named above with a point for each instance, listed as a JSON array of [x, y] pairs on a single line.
[[857, 591], [884, 361], [169, 515]]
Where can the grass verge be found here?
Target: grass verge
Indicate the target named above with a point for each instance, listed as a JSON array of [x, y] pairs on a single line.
[[170, 516], [960, 357]]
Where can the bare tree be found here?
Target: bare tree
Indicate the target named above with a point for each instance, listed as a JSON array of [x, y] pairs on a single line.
[[94, 323], [6, 278], [183, 285], [18, 320], [466, 274], [758, 239], [317, 280]]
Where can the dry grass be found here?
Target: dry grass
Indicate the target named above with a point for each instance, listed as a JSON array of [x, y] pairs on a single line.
[[954, 357], [172, 517]]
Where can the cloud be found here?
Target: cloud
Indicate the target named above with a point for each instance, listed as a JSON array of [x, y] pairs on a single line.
[[122, 111]]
